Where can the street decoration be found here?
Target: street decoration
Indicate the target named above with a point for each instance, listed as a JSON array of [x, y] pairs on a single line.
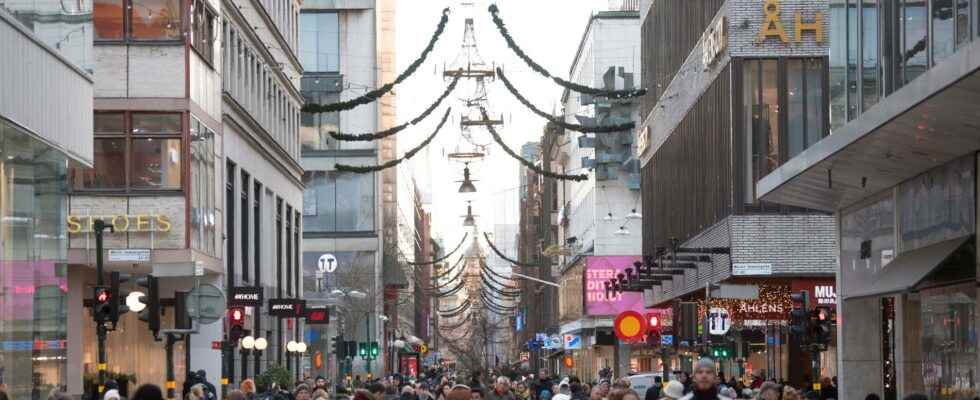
[[409, 154], [376, 94], [443, 258], [398, 128], [612, 94], [530, 165], [500, 254], [629, 325]]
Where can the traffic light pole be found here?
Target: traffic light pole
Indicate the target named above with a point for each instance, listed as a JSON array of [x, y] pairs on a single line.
[[100, 328], [171, 379]]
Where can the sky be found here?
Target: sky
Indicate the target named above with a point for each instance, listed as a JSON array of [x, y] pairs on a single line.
[[549, 31]]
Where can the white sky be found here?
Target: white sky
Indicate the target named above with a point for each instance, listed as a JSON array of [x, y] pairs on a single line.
[[547, 30]]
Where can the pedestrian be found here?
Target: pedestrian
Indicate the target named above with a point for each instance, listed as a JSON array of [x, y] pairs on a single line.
[[197, 392], [578, 390], [705, 382], [302, 392], [407, 393], [501, 390], [147, 392], [320, 394], [685, 379], [770, 391], [235, 395], [872, 396], [542, 384], [631, 394], [653, 392], [210, 392], [674, 390], [248, 388], [521, 392], [915, 396], [564, 391], [789, 393], [827, 389], [111, 390], [363, 394]]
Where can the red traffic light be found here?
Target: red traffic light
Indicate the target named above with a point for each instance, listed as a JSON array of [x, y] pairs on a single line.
[[653, 322], [102, 296], [236, 316]]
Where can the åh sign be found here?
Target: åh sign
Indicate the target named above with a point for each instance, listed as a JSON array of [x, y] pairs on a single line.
[[245, 296], [286, 308]]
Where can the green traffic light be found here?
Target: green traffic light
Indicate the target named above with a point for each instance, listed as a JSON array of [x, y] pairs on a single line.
[[375, 350]]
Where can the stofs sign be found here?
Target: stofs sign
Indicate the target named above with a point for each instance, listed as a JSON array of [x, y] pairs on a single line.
[[245, 296], [287, 308]]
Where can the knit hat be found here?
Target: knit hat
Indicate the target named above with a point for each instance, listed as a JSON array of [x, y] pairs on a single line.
[[674, 390], [705, 363]]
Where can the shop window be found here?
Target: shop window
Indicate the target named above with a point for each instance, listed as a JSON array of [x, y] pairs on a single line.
[[338, 202], [949, 344], [134, 151], [202, 186], [202, 30], [319, 41], [137, 19]]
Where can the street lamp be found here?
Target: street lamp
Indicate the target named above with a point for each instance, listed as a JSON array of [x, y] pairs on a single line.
[[248, 343], [357, 294]]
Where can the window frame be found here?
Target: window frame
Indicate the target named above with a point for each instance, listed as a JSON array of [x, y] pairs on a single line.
[[128, 138], [299, 32], [205, 49], [127, 27]]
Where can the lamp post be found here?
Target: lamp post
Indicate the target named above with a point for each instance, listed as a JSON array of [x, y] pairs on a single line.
[[260, 345], [248, 343], [295, 349]]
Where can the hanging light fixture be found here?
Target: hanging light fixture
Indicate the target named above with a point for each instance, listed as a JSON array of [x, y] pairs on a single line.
[[608, 217], [468, 219], [622, 232], [467, 186], [634, 215]]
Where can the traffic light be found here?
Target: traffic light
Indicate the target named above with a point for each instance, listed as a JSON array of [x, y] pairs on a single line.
[[362, 350], [116, 296], [236, 324], [721, 351], [150, 301], [101, 309], [799, 316], [653, 330], [351, 351], [339, 347], [821, 321], [375, 350]]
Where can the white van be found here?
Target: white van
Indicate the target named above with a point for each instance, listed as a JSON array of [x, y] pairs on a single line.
[[642, 381]]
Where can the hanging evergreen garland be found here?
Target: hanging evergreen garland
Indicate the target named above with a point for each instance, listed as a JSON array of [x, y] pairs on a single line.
[[448, 270], [377, 93], [465, 304], [460, 311], [499, 283], [395, 129], [558, 121], [439, 286], [441, 259], [494, 273], [497, 290], [487, 301], [612, 94], [375, 168], [505, 258], [526, 163]]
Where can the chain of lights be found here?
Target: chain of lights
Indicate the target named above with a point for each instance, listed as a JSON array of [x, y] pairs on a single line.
[[490, 302], [438, 287], [504, 257], [613, 94], [363, 137], [376, 94], [409, 154], [441, 259], [494, 273], [559, 121]]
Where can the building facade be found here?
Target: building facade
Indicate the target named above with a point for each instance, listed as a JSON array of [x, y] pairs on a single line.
[[899, 174], [45, 128], [346, 49], [736, 88]]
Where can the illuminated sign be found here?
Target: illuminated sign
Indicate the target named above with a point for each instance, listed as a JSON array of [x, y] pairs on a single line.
[[773, 26], [120, 223]]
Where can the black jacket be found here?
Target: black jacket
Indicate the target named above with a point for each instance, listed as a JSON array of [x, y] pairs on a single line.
[[653, 392]]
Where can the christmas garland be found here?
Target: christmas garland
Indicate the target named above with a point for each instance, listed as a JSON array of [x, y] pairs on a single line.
[[449, 270], [558, 121], [465, 304], [444, 257], [613, 94], [409, 154], [497, 290], [439, 286], [501, 284], [460, 311], [494, 273], [462, 283], [501, 255], [460, 324], [377, 93], [488, 301], [395, 129], [528, 164]]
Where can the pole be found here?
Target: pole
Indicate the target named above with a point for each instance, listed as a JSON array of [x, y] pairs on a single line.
[[100, 330], [367, 336], [245, 353], [171, 380]]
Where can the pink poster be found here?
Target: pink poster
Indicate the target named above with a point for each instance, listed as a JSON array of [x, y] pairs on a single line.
[[599, 269]]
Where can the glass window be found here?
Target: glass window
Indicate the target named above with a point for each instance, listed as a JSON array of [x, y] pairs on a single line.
[[938, 205], [871, 73], [155, 19], [107, 152], [814, 86], [108, 19], [796, 118], [319, 45], [156, 124], [202, 30], [867, 243], [915, 25], [202, 186], [338, 202], [949, 344], [155, 163], [942, 29], [852, 59], [838, 73], [962, 22]]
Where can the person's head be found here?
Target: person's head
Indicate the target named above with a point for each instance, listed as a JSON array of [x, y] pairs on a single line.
[[543, 373], [673, 390], [147, 392], [872, 396], [575, 387], [790, 394], [110, 394], [361, 394], [111, 384], [658, 380], [476, 394], [459, 392], [302, 392], [320, 394], [198, 391], [58, 395], [376, 388], [502, 384], [770, 391], [684, 377], [596, 393], [520, 386], [247, 386], [616, 394], [564, 388], [630, 394], [320, 382], [202, 374], [705, 377], [408, 390], [915, 396], [236, 395]]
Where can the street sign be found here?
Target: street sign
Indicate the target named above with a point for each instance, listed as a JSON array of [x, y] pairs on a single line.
[[245, 296], [286, 308], [129, 255], [629, 325], [666, 340], [719, 321], [738, 292], [573, 342], [553, 342], [327, 263], [751, 269], [206, 304]]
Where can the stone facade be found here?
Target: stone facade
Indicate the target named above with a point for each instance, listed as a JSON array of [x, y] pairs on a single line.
[[173, 207]]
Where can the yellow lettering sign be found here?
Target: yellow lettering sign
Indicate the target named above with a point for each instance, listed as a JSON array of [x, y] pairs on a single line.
[[773, 26], [120, 223]]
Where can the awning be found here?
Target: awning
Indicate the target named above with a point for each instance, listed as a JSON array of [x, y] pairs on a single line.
[[910, 268]]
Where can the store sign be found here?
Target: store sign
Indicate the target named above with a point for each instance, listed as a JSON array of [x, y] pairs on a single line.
[[772, 26], [120, 223], [552, 343], [129, 255], [599, 269], [317, 315], [823, 292], [751, 269], [245, 296], [719, 321], [525, 356], [715, 42], [573, 342], [286, 308]]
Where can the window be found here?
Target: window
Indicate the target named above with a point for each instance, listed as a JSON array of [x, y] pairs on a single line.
[[230, 221], [202, 186], [338, 202], [297, 267], [319, 41], [289, 250], [257, 231], [314, 131], [245, 232], [915, 25], [137, 19], [279, 286], [146, 145], [771, 136], [202, 30], [949, 350]]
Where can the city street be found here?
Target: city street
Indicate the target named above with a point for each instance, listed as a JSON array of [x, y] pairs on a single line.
[[489, 199]]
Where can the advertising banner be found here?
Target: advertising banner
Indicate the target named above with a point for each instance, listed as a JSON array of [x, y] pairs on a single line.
[[599, 269]]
